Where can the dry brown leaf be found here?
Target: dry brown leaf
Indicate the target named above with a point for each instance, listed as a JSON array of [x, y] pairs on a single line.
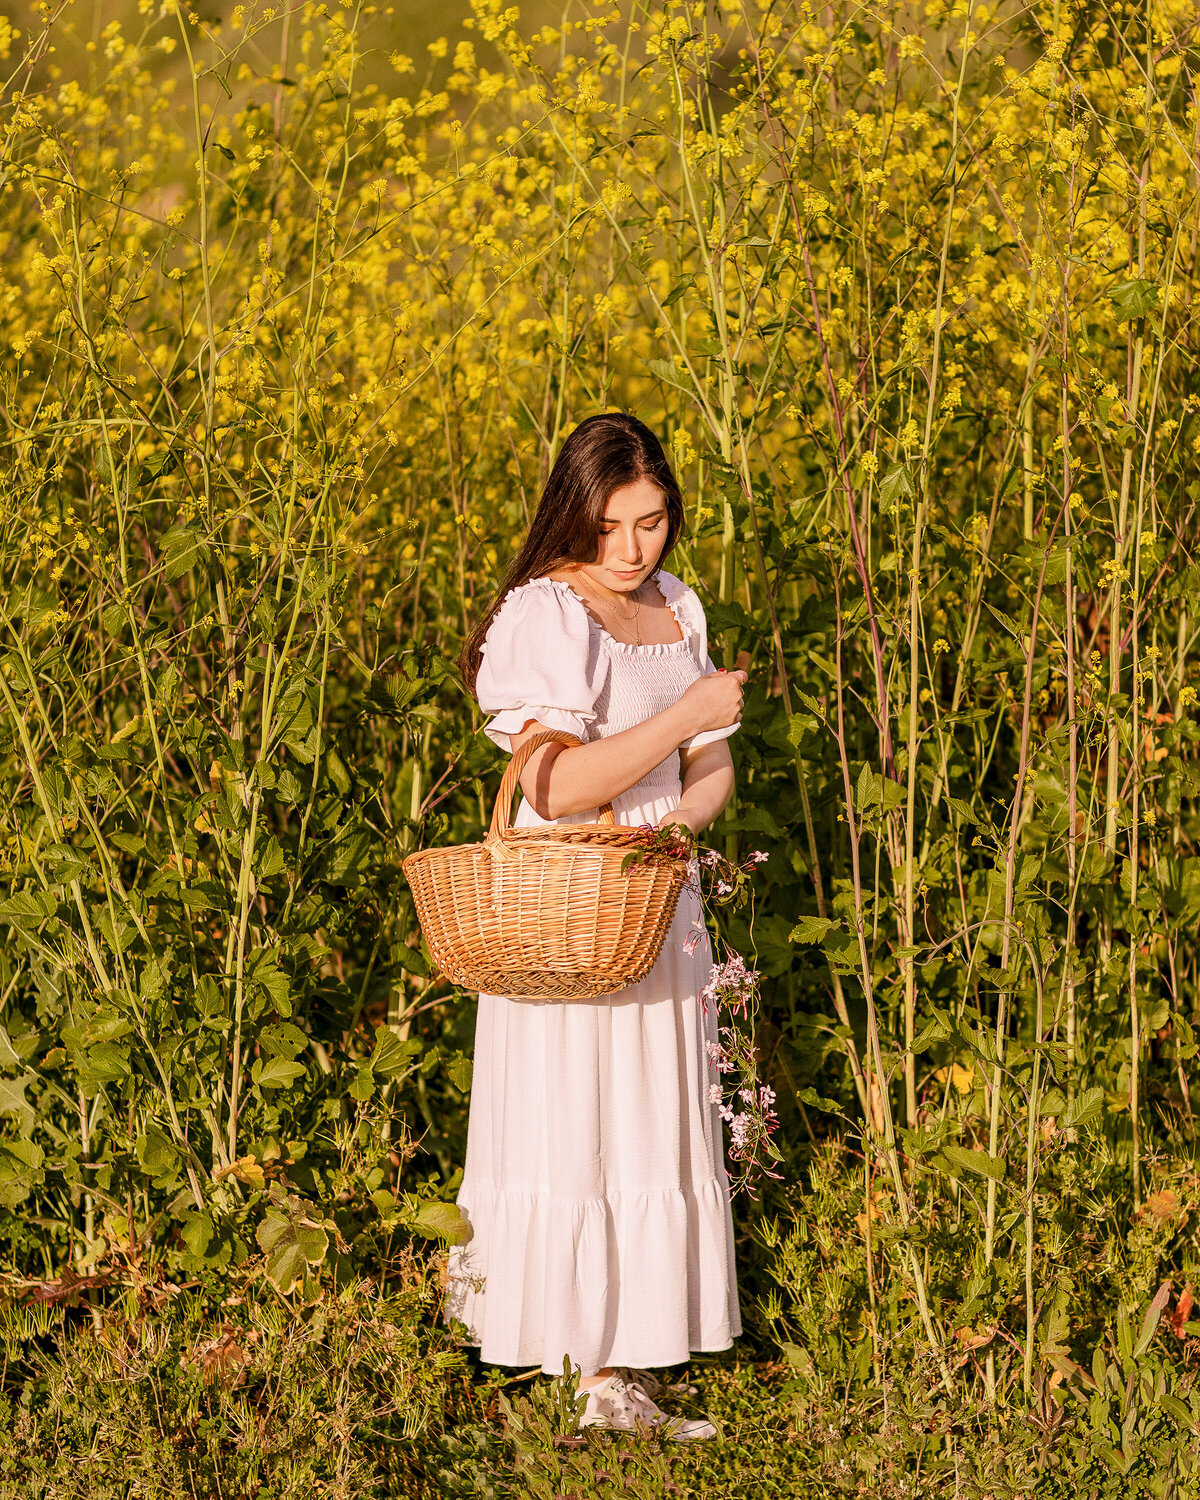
[[1162, 1205], [1183, 1311], [879, 1198], [65, 1286], [221, 1360], [969, 1338], [245, 1169]]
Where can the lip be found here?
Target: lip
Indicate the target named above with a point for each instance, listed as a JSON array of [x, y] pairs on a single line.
[[633, 573]]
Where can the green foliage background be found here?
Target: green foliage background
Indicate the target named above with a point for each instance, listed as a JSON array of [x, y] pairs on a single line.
[[296, 325]]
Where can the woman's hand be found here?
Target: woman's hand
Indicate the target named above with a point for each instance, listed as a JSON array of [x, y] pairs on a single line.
[[712, 702], [691, 820]]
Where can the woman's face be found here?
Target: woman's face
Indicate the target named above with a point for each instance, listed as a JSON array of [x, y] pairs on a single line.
[[633, 532]]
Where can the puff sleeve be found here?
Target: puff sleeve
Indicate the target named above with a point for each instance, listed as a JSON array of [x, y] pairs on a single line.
[[698, 633], [540, 660]]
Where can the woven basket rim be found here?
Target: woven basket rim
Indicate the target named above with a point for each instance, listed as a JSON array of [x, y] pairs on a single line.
[[555, 833]]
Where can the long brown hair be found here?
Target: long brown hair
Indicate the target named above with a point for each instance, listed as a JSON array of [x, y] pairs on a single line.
[[604, 453]]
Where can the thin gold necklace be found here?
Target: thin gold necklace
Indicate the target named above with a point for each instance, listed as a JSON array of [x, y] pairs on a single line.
[[637, 607]]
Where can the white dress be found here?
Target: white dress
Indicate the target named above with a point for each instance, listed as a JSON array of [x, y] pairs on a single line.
[[594, 1183]]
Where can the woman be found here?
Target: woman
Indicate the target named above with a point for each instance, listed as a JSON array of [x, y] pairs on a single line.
[[595, 1184]]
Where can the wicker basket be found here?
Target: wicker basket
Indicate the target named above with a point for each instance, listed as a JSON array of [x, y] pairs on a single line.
[[544, 913]]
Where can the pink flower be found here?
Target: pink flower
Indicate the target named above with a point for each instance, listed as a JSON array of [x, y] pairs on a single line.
[[731, 984], [692, 941], [719, 1057]]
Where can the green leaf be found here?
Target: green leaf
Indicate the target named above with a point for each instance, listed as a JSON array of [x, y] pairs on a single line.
[[106, 1062], [458, 1071], [866, 790], [297, 723], [811, 929], [20, 1171], [9, 1056], [282, 1040], [390, 694], [156, 466], [157, 1155], [443, 1221], [197, 1231], [800, 725], [268, 977], [28, 908], [276, 1072], [128, 843], [270, 860], [666, 372], [1007, 621], [335, 768], [1133, 299], [362, 1085], [346, 858], [935, 1030], [14, 1102], [819, 1101], [393, 1055], [408, 958], [1150, 1324], [291, 1242], [208, 996], [896, 485], [975, 1161], [678, 290], [68, 863], [59, 792], [1084, 1108], [183, 547]]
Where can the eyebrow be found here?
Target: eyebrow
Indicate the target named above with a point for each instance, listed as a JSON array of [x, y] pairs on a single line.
[[608, 520]]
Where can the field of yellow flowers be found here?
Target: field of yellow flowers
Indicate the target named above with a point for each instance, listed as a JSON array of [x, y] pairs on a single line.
[[296, 316]]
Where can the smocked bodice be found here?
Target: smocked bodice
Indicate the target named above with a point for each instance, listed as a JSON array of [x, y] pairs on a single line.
[[547, 659]]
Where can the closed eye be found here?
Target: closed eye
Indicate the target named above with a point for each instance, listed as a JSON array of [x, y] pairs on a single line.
[[655, 527]]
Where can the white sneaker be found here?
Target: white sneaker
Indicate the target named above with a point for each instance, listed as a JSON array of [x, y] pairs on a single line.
[[652, 1385], [622, 1405]]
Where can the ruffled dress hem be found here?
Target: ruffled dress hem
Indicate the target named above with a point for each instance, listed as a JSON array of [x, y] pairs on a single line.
[[636, 1278]]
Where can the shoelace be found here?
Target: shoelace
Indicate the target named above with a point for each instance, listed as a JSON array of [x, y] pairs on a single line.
[[652, 1385], [627, 1396], [641, 1402]]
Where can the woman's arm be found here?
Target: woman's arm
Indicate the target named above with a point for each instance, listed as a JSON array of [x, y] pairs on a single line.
[[707, 774], [562, 779]]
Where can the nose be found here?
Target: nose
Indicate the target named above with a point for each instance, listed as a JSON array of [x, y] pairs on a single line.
[[630, 551]]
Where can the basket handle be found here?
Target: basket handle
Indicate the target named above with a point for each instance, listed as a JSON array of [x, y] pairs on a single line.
[[502, 808]]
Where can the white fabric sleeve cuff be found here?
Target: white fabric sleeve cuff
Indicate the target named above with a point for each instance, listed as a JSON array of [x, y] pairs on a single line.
[[502, 726], [709, 736]]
